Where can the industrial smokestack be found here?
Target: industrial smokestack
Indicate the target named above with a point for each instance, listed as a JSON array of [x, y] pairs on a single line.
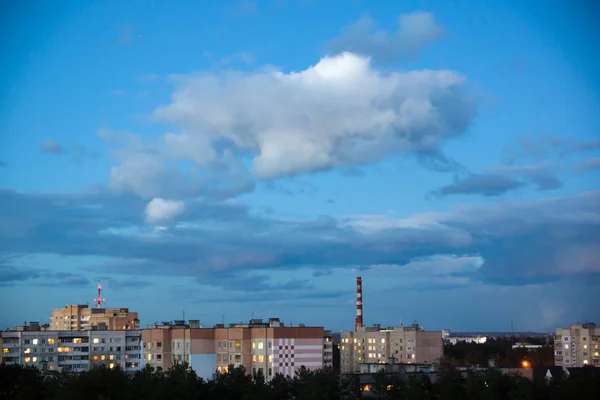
[[359, 304]]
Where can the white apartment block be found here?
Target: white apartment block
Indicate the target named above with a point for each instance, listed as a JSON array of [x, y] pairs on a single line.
[[375, 345], [75, 350], [577, 346]]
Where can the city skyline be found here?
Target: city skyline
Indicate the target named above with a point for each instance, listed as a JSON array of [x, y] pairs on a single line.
[[251, 159]]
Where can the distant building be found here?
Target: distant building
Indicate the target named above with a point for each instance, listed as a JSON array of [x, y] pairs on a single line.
[[403, 345], [466, 339], [577, 346], [53, 350], [76, 317], [527, 346], [266, 347]]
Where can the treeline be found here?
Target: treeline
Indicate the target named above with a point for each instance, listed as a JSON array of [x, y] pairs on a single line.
[[500, 350], [180, 383]]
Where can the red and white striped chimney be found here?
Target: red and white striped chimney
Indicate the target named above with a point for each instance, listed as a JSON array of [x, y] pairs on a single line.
[[359, 304]]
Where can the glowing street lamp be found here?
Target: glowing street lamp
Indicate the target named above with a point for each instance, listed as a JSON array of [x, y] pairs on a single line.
[[525, 364]]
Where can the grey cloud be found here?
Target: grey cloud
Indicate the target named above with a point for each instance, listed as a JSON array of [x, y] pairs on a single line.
[[486, 184], [544, 239], [9, 275], [588, 165], [52, 147], [500, 180], [415, 31], [547, 146]]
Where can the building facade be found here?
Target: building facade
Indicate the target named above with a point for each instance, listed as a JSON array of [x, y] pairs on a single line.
[[79, 316], [268, 348], [54, 350], [328, 350], [404, 345], [577, 346]]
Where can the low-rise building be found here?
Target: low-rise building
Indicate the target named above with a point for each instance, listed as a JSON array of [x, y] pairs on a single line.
[[53, 350], [266, 347], [577, 346], [369, 345]]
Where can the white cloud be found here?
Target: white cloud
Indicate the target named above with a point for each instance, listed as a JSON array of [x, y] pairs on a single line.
[[338, 112], [160, 210]]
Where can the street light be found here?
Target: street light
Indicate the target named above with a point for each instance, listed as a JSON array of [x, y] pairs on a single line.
[[525, 364]]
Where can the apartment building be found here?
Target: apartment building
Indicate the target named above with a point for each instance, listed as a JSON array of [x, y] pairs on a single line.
[[79, 316], [577, 346], [54, 350], [265, 347], [405, 345]]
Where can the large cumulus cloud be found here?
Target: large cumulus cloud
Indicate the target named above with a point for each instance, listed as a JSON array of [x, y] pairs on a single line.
[[339, 112]]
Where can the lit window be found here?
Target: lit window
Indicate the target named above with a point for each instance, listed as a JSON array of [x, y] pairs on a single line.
[[270, 358], [51, 367], [111, 365], [382, 340], [35, 341], [34, 359], [585, 362], [260, 345], [149, 357], [96, 340], [254, 345], [95, 358], [111, 357], [584, 346], [27, 351], [50, 341], [65, 349], [261, 358], [566, 346], [102, 357], [77, 340], [5, 350], [596, 354], [254, 357], [27, 359]]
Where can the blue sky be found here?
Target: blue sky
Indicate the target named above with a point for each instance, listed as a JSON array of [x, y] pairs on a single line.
[[238, 159]]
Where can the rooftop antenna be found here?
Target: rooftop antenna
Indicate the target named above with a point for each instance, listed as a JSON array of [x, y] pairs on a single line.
[[99, 300]]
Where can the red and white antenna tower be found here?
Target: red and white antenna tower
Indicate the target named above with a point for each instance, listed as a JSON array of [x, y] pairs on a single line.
[[99, 300]]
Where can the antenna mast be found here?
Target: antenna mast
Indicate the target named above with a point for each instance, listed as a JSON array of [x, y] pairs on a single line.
[[99, 300]]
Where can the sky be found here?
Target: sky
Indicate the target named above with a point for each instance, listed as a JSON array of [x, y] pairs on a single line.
[[248, 159]]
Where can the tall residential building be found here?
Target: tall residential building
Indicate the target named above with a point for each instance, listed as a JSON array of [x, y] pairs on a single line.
[[266, 347], [577, 346], [369, 345], [77, 316], [53, 350]]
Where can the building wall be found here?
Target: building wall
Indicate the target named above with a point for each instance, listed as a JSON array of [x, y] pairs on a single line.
[[263, 349], [390, 345], [77, 350], [77, 317], [577, 346]]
